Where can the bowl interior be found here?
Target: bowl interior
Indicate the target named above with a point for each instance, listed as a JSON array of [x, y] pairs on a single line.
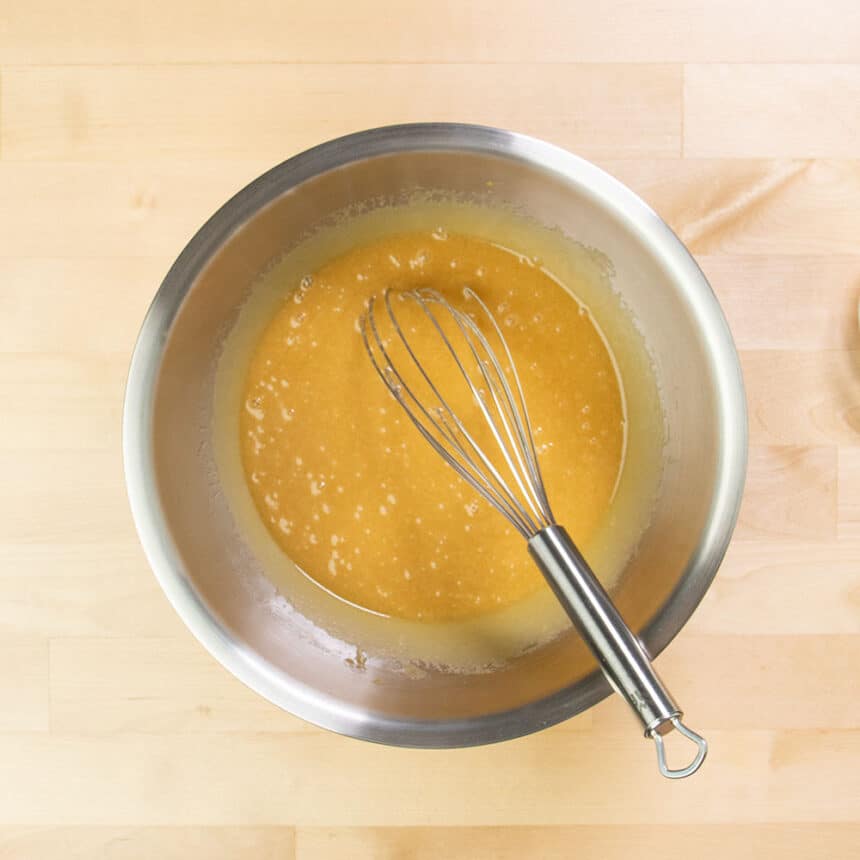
[[188, 528]]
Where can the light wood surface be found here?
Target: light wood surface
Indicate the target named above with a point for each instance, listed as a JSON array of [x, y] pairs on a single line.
[[124, 124]]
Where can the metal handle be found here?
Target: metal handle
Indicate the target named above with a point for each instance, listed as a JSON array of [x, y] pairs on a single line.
[[620, 654]]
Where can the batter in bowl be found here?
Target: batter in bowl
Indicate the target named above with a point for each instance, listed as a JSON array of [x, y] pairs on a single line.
[[345, 484]]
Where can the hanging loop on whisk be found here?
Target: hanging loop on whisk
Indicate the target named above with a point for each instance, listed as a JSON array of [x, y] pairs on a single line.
[[695, 737]]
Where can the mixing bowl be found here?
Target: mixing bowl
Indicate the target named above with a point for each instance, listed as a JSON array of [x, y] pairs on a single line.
[[181, 511]]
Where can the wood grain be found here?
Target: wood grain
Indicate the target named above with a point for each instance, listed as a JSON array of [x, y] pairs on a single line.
[[782, 302], [772, 693], [118, 685], [645, 842], [849, 492], [48, 479], [803, 398], [790, 492], [151, 208], [124, 125], [121, 211], [24, 696], [57, 306], [133, 843], [264, 779], [229, 111], [77, 402], [783, 586], [752, 206], [785, 111], [514, 31]]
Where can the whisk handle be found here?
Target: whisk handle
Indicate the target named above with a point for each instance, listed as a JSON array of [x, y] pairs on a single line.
[[619, 652]]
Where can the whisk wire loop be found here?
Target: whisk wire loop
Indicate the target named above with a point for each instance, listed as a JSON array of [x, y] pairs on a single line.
[[501, 403], [511, 409], [439, 424]]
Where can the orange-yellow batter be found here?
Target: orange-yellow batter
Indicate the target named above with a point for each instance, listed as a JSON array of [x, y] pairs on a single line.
[[347, 486]]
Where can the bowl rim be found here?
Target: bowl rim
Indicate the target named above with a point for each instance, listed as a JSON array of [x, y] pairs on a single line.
[[138, 455]]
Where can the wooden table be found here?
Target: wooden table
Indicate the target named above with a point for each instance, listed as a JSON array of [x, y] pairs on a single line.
[[124, 124]]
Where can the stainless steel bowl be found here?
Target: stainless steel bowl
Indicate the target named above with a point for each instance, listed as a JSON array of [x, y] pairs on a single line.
[[179, 508]]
